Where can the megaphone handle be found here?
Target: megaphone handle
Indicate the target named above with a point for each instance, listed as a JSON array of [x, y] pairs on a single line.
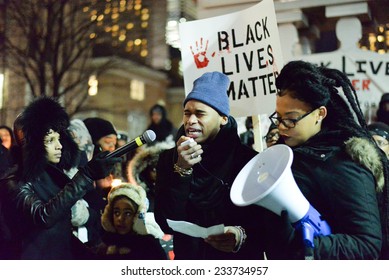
[[308, 233]]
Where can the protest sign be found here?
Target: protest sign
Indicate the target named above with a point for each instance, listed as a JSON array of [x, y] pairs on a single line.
[[243, 45]]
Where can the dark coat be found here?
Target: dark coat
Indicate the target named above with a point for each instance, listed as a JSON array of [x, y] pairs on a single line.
[[343, 192], [139, 247], [45, 204], [9, 226], [204, 197]]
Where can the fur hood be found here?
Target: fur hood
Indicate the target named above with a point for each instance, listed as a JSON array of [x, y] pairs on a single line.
[[145, 158], [366, 154], [36, 120], [143, 225]]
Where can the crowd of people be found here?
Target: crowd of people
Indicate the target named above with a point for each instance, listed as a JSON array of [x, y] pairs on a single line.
[[58, 199]]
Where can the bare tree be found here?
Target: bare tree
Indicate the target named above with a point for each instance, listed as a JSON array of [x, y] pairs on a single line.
[[49, 44]]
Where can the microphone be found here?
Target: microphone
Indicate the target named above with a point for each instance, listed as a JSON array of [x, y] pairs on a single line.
[[147, 137]]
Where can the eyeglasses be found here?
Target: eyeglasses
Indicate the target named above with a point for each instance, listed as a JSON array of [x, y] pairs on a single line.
[[289, 123]]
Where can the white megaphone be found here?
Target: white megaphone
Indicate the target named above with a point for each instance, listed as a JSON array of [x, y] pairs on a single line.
[[267, 181]]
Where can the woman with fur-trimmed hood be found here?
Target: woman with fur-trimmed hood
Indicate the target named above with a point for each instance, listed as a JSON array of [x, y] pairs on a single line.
[[141, 170], [128, 232], [46, 195]]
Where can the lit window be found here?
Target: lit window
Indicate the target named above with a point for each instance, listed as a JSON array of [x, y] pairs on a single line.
[[93, 85], [137, 90]]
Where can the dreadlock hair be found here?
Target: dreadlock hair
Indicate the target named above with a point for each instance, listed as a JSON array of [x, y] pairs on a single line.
[[318, 86]]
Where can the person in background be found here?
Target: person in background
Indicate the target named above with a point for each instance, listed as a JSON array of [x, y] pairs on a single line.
[[10, 230], [127, 234], [383, 109], [336, 164], [193, 181], [45, 194], [123, 140], [7, 141], [141, 171], [7, 136], [104, 138], [103, 133], [6, 160], [161, 125], [247, 137], [272, 135]]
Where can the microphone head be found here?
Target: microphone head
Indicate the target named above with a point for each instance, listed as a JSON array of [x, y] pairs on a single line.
[[149, 136]]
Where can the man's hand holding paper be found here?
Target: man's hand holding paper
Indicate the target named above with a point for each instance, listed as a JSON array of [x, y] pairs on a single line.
[[195, 230]]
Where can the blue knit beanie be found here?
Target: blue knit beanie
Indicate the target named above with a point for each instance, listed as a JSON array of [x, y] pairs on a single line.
[[211, 89]]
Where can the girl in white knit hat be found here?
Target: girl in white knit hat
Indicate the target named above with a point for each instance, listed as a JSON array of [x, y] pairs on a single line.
[[128, 234]]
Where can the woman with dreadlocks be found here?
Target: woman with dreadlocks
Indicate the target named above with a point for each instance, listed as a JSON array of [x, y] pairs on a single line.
[[336, 164]]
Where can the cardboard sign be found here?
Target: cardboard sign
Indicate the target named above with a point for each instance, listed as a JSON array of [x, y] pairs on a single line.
[[245, 46]]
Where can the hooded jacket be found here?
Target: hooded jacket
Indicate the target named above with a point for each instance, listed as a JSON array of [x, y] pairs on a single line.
[[204, 197], [45, 194], [141, 169]]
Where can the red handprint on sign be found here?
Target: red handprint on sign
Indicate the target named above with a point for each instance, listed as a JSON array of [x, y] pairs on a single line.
[[200, 57]]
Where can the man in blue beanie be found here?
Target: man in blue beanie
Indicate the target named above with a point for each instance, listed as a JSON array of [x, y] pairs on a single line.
[[194, 181]]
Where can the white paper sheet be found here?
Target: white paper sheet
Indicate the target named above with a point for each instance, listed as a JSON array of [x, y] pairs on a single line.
[[195, 230]]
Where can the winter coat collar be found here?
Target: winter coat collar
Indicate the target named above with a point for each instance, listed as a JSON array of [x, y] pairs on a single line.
[[212, 176], [361, 150]]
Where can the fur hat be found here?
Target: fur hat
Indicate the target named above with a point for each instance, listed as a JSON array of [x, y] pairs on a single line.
[[138, 195], [41, 115], [211, 89], [98, 128]]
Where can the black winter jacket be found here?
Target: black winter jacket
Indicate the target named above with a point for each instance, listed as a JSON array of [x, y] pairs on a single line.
[[45, 204], [204, 197], [343, 192]]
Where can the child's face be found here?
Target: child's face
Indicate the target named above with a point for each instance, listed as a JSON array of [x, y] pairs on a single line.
[[53, 146], [123, 216]]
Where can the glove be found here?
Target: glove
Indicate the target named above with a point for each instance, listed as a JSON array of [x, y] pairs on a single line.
[[292, 236], [80, 213], [100, 167]]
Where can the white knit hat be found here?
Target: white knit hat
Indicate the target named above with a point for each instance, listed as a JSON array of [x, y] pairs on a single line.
[[138, 195]]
